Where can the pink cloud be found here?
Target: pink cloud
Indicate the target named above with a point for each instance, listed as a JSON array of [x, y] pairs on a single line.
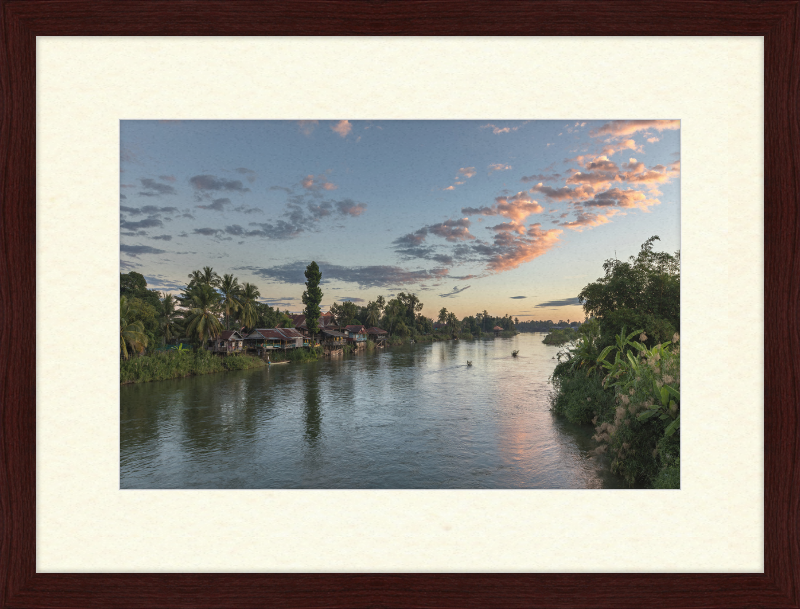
[[343, 128], [467, 172], [513, 250], [453, 230], [564, 193], [307, 127], [621, 128], [311, 182], [590, 220], [516, 208]]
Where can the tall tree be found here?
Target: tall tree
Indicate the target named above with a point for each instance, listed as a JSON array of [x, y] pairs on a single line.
[[169, 316], [230, 289], [131, 333], [249, 299], [373, 314], [442, 316], [201, 319], [312, 297]]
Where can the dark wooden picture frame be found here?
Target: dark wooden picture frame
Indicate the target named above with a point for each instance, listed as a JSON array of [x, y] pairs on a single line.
[[777, 20]]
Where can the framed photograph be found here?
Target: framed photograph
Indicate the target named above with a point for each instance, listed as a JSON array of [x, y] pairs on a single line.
[[77, 534]]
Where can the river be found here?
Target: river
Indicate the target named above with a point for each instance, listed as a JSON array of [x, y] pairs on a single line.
[[408, 417]]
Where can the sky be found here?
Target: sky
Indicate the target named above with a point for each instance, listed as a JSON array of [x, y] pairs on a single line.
[[511, 217]]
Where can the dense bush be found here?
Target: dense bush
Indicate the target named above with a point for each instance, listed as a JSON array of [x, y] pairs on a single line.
[[630, 389], [560, 337], [578, 397], [175, 364]]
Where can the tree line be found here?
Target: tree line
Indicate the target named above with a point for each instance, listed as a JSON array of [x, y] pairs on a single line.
[[210, 303]]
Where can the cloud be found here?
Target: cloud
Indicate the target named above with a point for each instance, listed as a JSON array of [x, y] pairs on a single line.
[[348, 207], [149, 222], [248, 173], [497, 130], [516, 208], [155, 189], [163, 237], [616, 197], [136, 250], [540, 177], [216, 205], [653, 139], [208, 232], [147, 209], [467, 172], [508, 226], [248, 210], [510, 250], [564, 302], [364, 276], [455, 291], [206, 184], [452, 230], [564, 193], [589, 220], [167, 178], [317, 183], [307, 127], [343, 128], [498, 167], [620, 128], [124, 264], [351, 299], [518, 297]]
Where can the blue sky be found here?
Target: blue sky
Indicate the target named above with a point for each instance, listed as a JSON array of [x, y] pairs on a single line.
[[508, 216]]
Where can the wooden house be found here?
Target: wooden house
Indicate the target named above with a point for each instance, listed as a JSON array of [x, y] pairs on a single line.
[[325, 321], [356, 335], [332, 339], [497, 330], [378, 335], [229, 341], [263, 340]]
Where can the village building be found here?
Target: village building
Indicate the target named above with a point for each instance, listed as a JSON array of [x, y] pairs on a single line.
[[229, 341], [356, 335], [325, 321], [497, 330], [378, 336], [264, 340]]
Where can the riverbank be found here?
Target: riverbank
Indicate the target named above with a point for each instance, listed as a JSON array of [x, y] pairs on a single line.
[[175, 364], [167, 365]]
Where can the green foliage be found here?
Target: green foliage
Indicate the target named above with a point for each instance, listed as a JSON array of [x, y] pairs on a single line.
[[202, 321], [343, 312], [131, 330], [643, 437], [643, 292], [312, 297], [229, 301], [580, 398], [176, 364], [560, 337]]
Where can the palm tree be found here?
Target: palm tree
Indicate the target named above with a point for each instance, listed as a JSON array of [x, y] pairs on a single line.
[[248, 298], [202, 320], [452, 323], [130, 332], [207, 276], [230, 288], [443, 316], [169, 316], [373, 314]]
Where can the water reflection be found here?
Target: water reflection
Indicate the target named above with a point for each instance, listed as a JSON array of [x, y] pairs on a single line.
[[407, 417]]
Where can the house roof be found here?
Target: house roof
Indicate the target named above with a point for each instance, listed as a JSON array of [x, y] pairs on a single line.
[[229, 335], [277, 333], [376, 331], [496, 328], [327, 332], [325, 320], [354, 328]]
